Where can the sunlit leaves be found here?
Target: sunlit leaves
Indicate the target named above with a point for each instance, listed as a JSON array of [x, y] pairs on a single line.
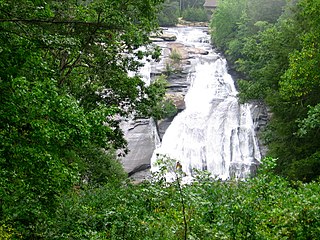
[[311, 122]]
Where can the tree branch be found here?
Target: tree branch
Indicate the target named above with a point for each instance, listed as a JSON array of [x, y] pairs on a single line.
[[51, 21]]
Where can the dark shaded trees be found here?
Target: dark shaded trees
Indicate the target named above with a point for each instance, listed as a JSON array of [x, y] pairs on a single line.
[[64, 85], [169, 14], [277, 53]]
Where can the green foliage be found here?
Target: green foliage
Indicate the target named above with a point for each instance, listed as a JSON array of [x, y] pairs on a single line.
[[175, 56], [169, 14], [6, 233], [268, 11], [263, 207], [195, 15], [190, 10], [185, 4], [100, 166], [45, 139], [273, 44], [224, 22], [96, 57], [64, 84], [161, 106], [302, 77], [311, 122], [173, 64], [308, 168], [102, 213], [63, 87]]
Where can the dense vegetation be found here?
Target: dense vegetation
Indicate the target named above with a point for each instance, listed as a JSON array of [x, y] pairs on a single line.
[[64, 86], [169, 14], [264, 207], [274, 45], [189, 10]]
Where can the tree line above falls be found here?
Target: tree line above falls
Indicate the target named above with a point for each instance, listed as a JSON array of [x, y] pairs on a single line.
[[64, 85]]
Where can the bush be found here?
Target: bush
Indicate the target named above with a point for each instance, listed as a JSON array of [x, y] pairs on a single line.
[[263, 207]]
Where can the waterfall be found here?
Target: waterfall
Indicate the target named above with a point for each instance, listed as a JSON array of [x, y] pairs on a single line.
[[214, 132]]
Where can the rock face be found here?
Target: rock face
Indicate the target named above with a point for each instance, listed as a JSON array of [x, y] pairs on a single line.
[[141, 144], [260, 116], [177, 99], [168, 37], [178, 82], [143, 135]]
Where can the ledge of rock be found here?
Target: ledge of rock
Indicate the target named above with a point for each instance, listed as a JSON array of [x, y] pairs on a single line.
[[180, 49], [197, 51], [163, 37], [156, 39], [177, 99], [186, 52]]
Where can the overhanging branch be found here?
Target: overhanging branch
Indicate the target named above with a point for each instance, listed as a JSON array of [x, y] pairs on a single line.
[[51, 21]]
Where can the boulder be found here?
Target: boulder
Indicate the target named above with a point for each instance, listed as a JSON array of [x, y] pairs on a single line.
[[164, 36], [197, 51], [168, 37], [156, 39], [177, 99]]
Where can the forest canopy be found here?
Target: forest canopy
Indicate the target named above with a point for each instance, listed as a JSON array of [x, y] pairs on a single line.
[[274, 46]]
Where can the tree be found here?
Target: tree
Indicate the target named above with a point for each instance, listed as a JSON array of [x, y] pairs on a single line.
[[187, 4], [262, 207], [195, 15], [224, 22], [169, 14], [63, 88], [274, 47], [299, 86]]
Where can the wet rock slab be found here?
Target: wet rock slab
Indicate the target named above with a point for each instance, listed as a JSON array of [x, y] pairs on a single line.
[[141, 144]]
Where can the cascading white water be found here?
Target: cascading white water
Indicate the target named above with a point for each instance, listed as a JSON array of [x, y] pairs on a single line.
[[214, 132]]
